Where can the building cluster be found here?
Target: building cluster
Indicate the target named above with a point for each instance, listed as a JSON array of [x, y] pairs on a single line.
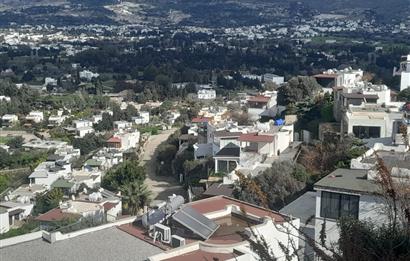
[[250, 147], [83, 196], [366, 110]]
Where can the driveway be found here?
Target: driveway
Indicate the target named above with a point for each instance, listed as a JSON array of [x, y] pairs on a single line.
[[161, 187]]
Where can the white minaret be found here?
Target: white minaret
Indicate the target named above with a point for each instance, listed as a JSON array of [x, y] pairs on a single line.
[[405, 73]]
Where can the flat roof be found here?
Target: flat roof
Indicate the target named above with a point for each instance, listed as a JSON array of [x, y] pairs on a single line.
[[304, 207], [360, 96], [354, 180], [391, 159], [219, 203], [256, 137], [219, 189], [103, 245]]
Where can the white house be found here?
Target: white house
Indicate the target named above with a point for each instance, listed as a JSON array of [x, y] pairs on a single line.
[[81, 132], [82, 123], [9, 119], [143, 118], [273, 78], [264, 104], [35, 117], [371, 121], [121, 125], [173, 116], [46, 173], [404, 73], [354, 193], [88, 75], [50, 81], [5, 98], [11, 212], [206, 94], [125, 140], [56, 120]]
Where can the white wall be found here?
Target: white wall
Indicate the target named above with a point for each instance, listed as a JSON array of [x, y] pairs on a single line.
[[371, 208], [20, 239], [4, 223], [275, 234]]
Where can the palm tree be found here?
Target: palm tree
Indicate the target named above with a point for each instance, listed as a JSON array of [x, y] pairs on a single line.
[[136, 195]]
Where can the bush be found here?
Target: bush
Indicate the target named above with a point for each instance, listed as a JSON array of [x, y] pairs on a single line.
[[26, 228], [279, 185]]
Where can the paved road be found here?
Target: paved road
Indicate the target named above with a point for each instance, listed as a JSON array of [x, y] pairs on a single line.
[[161, 187]]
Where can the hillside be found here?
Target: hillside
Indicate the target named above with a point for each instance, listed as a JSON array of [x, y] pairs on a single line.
[[213, 13]]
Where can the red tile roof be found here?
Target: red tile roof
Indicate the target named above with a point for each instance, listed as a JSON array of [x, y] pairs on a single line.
[[220, 202], [114, 140], [56, 214], [201, 119], [255, 137], [108, 205], [259, 98]]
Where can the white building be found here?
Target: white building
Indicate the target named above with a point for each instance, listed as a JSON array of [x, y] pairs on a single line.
[[35, 117], [206, 94], [46, 173], [11, 213], [50, 81], [124, 141], [143, 118], [404, 72], [253, 77], [356, 193], [372, 121], [121, 125], [273, 78], [264, 104], [56, 120], [82, 123], [9, 119], [88, 75], [81, 132], [173, 116], [5, 98]]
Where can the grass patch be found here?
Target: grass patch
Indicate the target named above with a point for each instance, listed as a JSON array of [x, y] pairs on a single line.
[[4, 139]]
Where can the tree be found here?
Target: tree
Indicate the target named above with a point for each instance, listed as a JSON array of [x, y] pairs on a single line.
[[88, 143], [280, 183], [404, 95], [48, 201], [106, 123], [298, 89], [15, 142], [4, 181], [166, 152], [126, 173], [135, 195]]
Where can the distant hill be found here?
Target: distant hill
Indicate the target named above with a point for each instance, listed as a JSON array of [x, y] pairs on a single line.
[[385, 9], [191, 12]]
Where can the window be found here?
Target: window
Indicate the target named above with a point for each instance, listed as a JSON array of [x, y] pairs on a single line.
[[366, 132], [336, 205]]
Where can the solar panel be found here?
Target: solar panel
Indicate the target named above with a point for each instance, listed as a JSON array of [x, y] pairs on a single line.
[[201, 218], [196, 222]]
